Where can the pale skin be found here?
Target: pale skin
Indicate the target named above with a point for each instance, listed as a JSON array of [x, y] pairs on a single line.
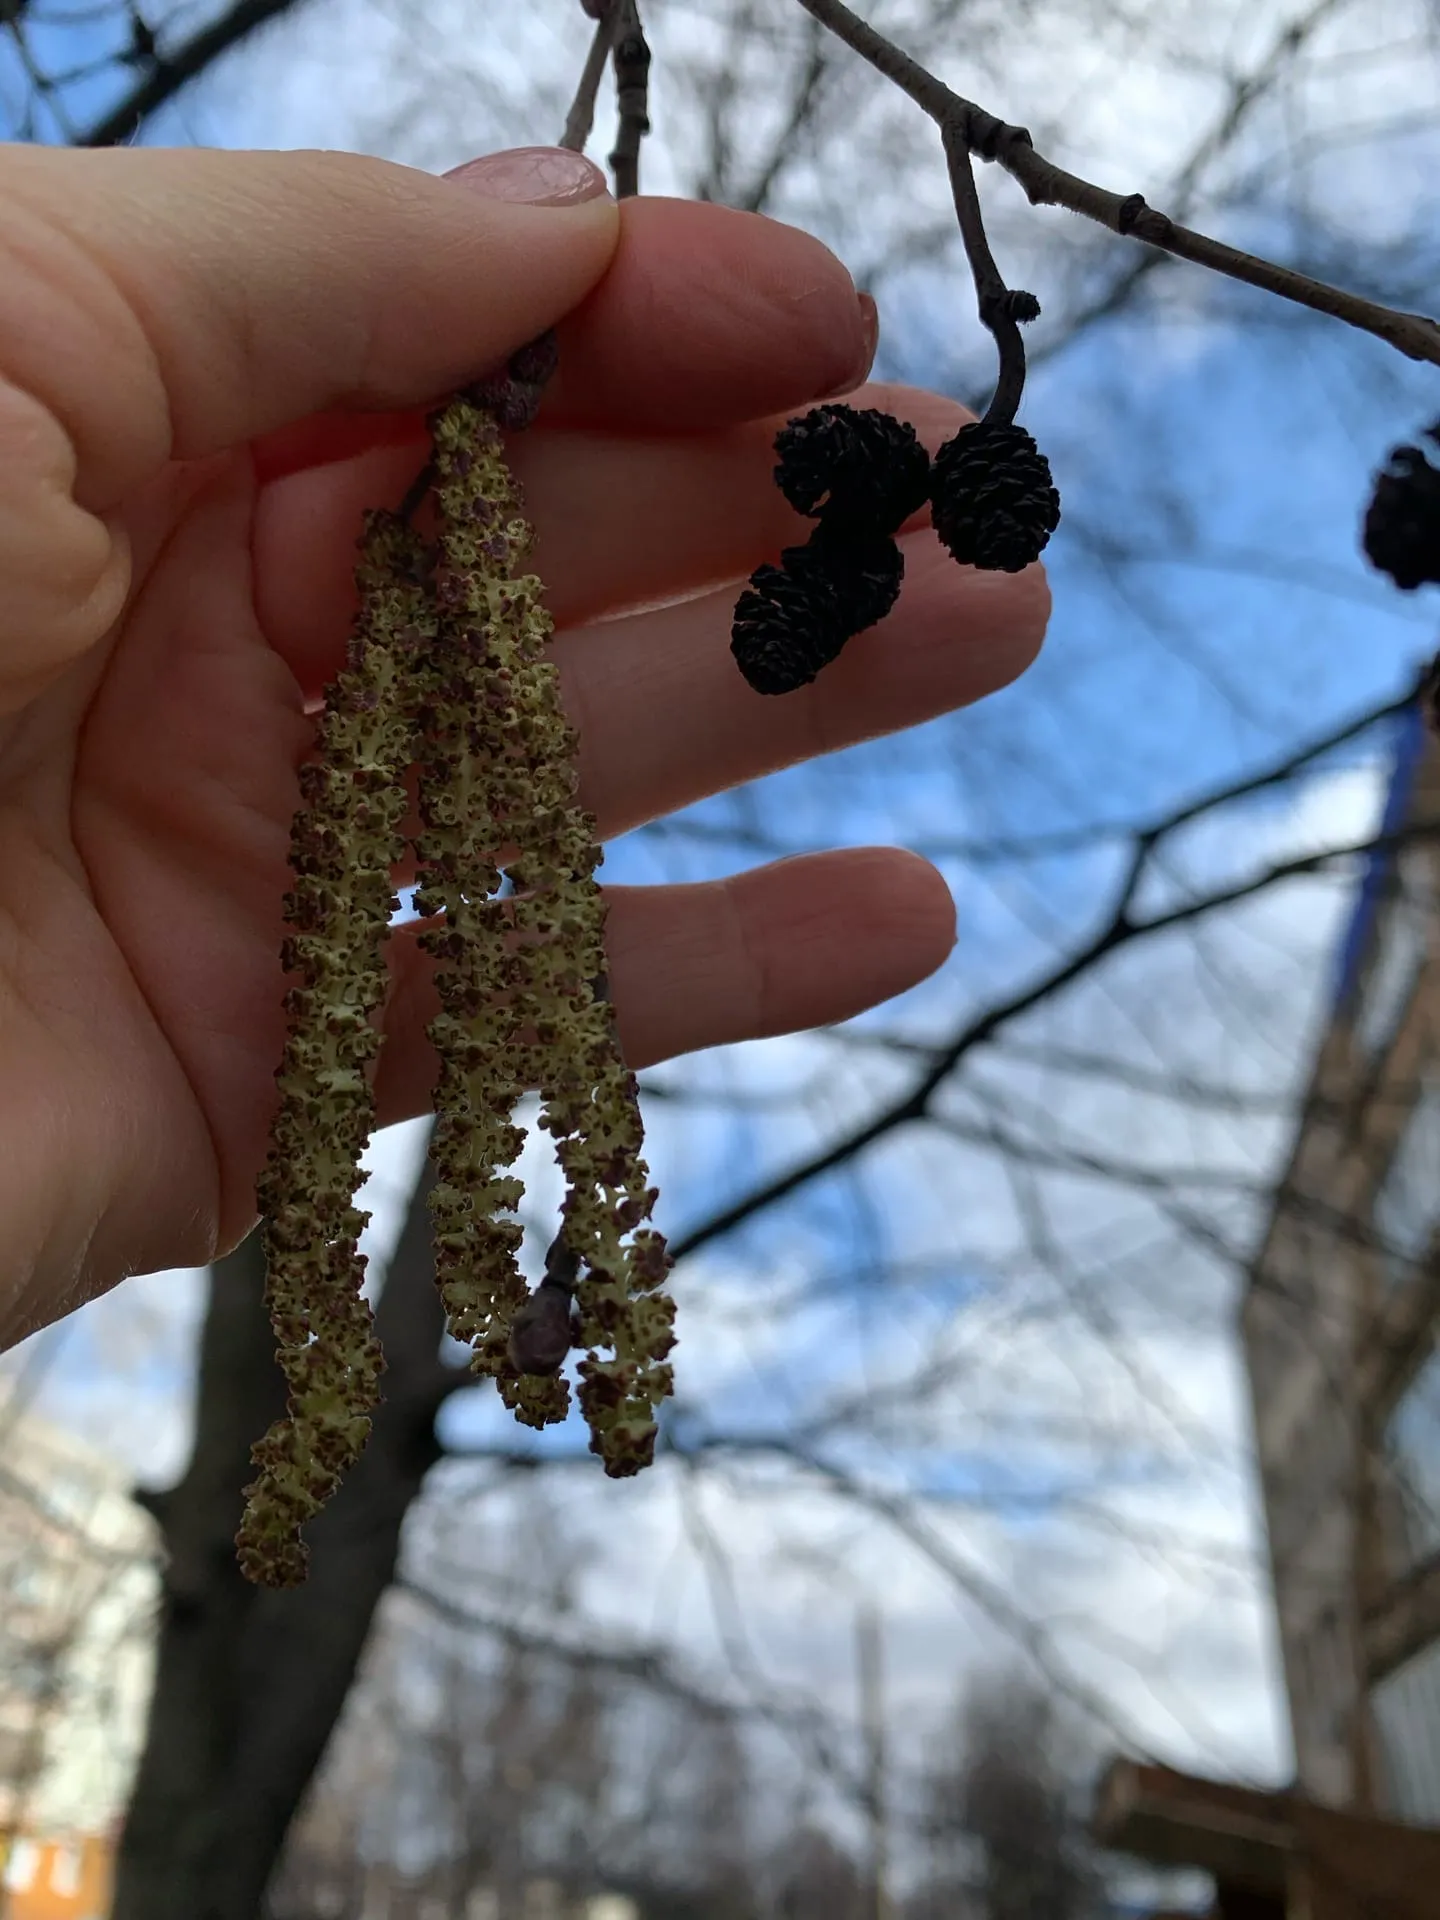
[[209, 364]]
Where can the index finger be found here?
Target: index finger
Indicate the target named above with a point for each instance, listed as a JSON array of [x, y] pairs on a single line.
[[706, 318], [168, 305]]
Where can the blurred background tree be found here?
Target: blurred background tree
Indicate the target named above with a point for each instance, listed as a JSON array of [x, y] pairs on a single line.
[[957, 1280]]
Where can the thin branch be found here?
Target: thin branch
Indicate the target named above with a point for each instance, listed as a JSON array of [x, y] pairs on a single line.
[[1045, 184], [1065, 840], [1120, 930], [993, 298], [177, 66], [1246, 91], [654, 1668], [1177, 1085], [784, 147], [581, 117], [1284, 769], [987, 1595], [1057, 1156], [42, 83], [898, 1511], [632, 97]]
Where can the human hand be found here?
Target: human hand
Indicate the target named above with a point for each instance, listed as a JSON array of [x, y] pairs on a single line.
[[209, 364]]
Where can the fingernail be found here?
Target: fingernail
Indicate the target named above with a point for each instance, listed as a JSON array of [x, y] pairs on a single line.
[[860, 371], [537, 176], [870, 314]]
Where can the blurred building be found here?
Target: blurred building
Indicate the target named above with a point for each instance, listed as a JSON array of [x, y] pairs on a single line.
[[1340, 1325], [1273, 1856], [77, 1602]]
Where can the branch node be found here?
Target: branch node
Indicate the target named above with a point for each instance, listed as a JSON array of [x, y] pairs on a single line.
[[1129, 211], [631, 62]]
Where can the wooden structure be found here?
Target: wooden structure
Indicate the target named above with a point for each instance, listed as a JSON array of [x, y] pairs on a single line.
[[1274, 1856], [1339, 1327]]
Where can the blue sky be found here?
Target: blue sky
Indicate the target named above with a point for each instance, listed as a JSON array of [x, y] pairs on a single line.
[[1211, 608]]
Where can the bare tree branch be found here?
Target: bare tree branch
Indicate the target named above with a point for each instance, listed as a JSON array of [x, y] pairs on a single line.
[[654, 1667], [1120, 930], [1045, 184], [580, 120], [179, 65], [632, 75], [996, 303]]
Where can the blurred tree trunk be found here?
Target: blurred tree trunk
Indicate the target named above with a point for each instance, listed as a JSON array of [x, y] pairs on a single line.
[[1018, 1804], [1007, 1839], [249, 1684]]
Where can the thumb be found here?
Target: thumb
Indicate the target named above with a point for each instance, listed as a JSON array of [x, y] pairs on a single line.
[[168, 304], [159, 305]]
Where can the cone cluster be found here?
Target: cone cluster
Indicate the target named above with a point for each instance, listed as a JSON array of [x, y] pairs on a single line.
[[1402, 522], [860, 474]]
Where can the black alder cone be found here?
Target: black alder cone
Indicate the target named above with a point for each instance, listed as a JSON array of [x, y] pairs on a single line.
[[853, 465], [794, 619], [865, 567], [993, 502], [1402, 522], [787, 627]]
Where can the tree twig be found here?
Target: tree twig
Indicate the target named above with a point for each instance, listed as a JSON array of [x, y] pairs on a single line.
[[581, 117], [997, 306], [178, 65], [1119, 929], [632, 94], [43, 84], [1045, 184]]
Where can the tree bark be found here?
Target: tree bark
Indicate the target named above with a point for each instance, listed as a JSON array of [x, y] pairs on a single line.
[[249, 1684]]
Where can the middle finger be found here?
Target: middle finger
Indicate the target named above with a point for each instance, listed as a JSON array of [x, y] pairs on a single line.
[[620, 521]]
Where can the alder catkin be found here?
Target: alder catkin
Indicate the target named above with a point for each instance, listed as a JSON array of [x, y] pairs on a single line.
[[537, 1001], [344, 842], [447, 672]]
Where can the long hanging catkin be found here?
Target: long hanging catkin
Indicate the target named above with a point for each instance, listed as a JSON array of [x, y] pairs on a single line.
[[344, 842], [527, 983], [447, 671]]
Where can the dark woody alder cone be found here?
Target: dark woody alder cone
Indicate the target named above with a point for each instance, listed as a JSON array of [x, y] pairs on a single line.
[[794, 619], [787, 627], [864, 567], [1402, 522], [992, 500], [854, 465]]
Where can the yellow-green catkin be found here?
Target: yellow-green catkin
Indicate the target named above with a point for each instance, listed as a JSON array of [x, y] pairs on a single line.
[[540, 999], [471, 739], [344, 842], [447, 671]]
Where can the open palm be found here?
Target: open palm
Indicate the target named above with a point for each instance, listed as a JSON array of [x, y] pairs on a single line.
[[191, 432]]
